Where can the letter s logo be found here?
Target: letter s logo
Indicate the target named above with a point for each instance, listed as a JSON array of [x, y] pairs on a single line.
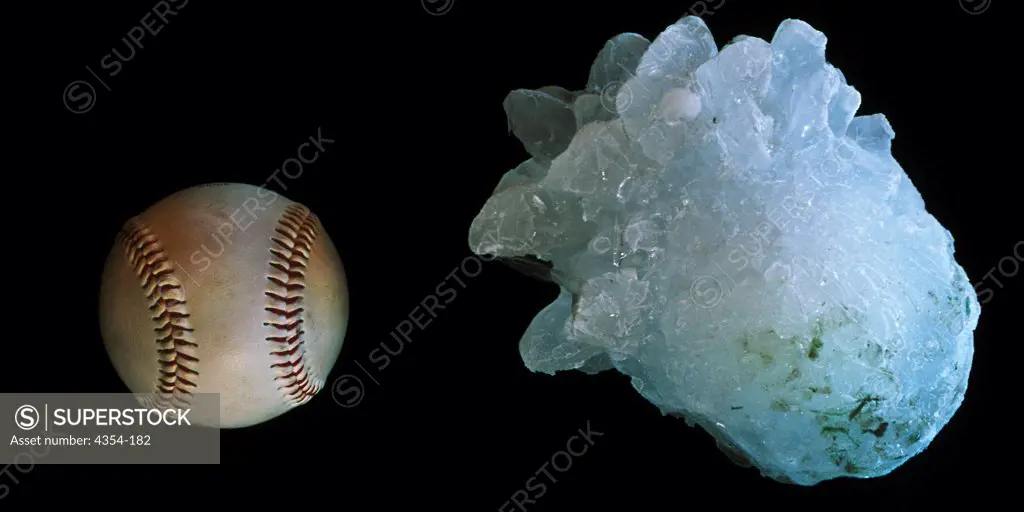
[[26, 417]]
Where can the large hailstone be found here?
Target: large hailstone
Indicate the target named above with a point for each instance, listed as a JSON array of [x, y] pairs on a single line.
[[729, 235]]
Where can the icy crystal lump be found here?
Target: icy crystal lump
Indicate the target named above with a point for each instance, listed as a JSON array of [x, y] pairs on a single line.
[[727, 233]]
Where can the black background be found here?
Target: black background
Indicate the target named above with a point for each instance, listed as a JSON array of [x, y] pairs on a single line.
[[228, 90]]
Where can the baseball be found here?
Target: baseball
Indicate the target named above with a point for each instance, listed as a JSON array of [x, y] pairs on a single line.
[[229, 289]]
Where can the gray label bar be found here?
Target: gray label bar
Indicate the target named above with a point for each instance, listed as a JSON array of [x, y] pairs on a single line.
[[108, 428]]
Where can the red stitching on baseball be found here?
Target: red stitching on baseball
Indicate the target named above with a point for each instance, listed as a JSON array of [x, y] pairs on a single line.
[[176, 347], [297, 228]]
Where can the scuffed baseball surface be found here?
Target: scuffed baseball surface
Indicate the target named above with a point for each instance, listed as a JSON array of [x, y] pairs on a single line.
[[225, 288]]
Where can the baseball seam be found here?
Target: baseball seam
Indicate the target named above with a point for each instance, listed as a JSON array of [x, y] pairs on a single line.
[[177, 350], [291, 251]]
